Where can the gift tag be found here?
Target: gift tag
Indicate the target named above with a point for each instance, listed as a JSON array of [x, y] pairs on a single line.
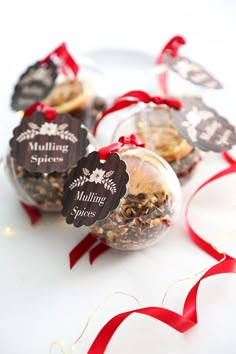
[[45, 146], [191, 71], [94, 189], [203, 127], [34, 85]]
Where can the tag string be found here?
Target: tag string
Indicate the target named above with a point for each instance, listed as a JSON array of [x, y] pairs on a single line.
[[67, 65], [171, 47], [134, 97]]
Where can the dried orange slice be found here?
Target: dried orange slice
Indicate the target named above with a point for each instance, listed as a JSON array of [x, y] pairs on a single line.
[[70, 95]]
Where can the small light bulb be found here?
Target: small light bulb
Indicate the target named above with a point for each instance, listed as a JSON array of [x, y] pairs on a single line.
[[7, 230]]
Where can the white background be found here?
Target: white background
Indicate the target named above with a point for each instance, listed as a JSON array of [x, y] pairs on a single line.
[[41, 300]]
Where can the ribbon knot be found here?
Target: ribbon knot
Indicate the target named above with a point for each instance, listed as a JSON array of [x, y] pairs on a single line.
[[132, 139], [115, 147], [48, 111]]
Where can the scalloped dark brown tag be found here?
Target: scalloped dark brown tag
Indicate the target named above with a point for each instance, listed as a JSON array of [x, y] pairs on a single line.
[[45, 146], [203, 127], [34, 85], [191, 71], [94, 189]]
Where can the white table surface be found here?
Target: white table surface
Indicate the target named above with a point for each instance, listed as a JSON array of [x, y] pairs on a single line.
[[42, 300]]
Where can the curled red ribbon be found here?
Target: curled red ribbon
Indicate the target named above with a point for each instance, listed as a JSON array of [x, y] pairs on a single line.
[[49, 112], [172, 47], [134, 97], [203, 244], [181, 323], [67, 64]]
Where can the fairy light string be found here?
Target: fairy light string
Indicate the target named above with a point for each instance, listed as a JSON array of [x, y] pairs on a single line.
[[60, 344]]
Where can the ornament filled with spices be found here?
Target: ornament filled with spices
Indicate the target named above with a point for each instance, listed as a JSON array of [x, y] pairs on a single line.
[[58, 80], [44, 148], [175, 130], [125, 193]]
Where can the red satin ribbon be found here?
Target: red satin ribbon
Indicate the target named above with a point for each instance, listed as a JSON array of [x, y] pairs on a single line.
[[181, 323], [172, 47], [67, 64], [204, 245], [32, 212], [49, 112], [134, 97], [81, 248]]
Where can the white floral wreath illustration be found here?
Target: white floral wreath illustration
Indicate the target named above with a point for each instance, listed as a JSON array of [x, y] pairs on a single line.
[[97, 176], [50, 129]]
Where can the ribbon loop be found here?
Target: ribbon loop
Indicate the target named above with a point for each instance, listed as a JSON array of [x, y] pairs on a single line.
[[172, 47], [67, 65], [105, 151]]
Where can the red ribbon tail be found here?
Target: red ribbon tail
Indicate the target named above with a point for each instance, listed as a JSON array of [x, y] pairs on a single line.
[[32, 212], [228, 158], [96, 251], [81, 248]]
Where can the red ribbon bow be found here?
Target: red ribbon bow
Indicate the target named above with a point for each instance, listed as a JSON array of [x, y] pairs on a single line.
[[134, 97], [67, 65], [133, 139], [49, 112], [115, 147], [172, 47]]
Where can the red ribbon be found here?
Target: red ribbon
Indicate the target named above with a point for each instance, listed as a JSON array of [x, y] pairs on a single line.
[[204, 245], [49, 112], [172, 47], [134, 97], [83, 247], [67, 64], [181, 323], [32, 212]]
